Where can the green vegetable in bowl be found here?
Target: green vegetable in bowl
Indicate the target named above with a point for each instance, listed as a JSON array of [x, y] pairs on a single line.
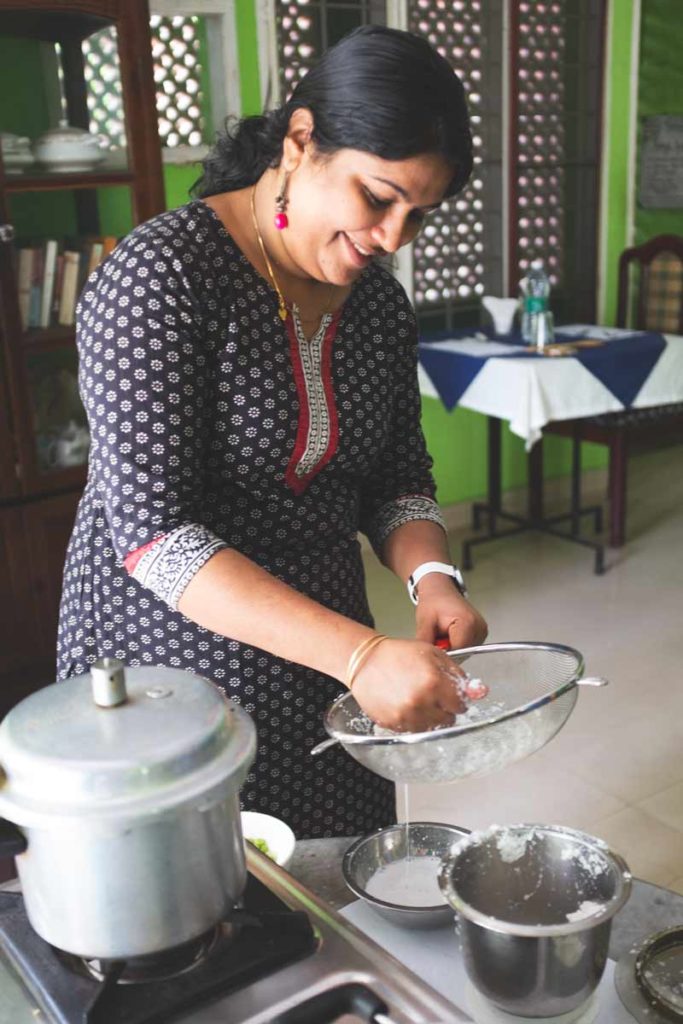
[[262, 845]]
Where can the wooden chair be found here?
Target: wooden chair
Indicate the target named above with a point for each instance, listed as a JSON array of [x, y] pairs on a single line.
[[649, 297]]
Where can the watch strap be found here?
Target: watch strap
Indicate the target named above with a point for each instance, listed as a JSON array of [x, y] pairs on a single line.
[[442, 567]]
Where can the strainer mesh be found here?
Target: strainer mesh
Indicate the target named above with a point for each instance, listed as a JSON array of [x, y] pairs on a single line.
[[516, 675]]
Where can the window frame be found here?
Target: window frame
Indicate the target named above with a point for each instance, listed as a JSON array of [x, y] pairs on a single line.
[[224, 72]]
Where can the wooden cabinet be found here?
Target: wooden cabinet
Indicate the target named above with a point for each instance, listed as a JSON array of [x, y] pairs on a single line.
[[43, 428], [48, 525], [33, 541], [18, 620]]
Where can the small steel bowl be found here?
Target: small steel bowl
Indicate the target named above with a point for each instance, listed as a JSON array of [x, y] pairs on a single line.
[[370, 853]]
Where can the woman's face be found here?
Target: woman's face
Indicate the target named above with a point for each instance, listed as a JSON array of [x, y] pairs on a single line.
[[349, 208]]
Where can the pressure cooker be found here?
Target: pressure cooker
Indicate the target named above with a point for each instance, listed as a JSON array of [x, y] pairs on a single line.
[[122, 790]]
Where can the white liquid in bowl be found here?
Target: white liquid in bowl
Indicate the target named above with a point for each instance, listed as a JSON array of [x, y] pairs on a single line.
[[412, 882]]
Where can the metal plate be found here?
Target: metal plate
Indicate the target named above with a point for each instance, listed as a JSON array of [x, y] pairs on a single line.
[[649, 978], [659, 971]]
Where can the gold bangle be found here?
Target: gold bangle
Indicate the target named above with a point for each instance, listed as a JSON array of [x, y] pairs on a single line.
[[358, 653], [359, 656]]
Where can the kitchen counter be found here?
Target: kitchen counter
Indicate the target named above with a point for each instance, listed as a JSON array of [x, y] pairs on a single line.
[[317, 863]]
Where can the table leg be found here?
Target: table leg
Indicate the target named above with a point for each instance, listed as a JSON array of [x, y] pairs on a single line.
[[576, 483], [535, 518], [494, 460], [618, 458], [535, 484]]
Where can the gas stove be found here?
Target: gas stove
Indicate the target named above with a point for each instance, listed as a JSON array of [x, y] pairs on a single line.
[[284, 957]]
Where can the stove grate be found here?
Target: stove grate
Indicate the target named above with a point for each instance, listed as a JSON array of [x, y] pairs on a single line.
[[269, 936]]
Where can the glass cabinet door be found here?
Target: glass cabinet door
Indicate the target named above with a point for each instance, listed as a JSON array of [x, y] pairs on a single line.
[[59, 424]]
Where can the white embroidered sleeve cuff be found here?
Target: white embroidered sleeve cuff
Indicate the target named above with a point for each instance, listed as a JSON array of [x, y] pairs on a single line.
[[406, 509], [169, 564]]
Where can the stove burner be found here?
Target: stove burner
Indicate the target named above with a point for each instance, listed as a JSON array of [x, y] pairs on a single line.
[[169, 963], [267, 935]]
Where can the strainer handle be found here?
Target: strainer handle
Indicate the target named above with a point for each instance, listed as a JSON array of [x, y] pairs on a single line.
[[325, 745], [593, 681]]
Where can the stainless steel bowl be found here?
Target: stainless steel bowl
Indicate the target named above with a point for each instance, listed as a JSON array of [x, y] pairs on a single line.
[[385, 846], [535, 906]]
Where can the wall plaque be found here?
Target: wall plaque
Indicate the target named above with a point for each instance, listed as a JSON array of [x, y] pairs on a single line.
[[661, 162]]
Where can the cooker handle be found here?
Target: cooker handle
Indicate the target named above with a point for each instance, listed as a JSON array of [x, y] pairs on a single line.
[[12, 839]]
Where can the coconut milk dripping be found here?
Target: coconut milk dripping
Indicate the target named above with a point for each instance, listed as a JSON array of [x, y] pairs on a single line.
[[411, 881]]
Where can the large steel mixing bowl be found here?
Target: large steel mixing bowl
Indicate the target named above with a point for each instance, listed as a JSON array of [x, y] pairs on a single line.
[[532, 690]]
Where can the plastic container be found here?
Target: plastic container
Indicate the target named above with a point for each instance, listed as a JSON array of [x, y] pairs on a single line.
[[535, 293]]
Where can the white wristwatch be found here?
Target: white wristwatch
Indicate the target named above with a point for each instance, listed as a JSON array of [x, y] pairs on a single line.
[[427, 567]]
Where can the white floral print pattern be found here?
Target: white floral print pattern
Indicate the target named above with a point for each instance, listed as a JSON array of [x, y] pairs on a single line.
[[187, 379]]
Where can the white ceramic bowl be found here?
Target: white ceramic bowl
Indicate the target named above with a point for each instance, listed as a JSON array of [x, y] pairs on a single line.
[[279, 836], [68, 149]]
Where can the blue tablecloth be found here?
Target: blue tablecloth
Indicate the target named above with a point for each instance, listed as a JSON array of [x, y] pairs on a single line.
[[622, 364]]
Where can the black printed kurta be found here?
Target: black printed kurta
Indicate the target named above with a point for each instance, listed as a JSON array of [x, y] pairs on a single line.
[[214, 425]]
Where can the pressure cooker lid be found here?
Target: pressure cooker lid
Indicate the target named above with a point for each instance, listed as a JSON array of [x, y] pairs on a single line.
[[109, 741]]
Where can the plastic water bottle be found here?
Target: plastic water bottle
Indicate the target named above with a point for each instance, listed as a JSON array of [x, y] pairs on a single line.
[[535, 294]]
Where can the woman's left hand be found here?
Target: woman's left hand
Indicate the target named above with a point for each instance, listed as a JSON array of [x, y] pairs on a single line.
[[443, 612]]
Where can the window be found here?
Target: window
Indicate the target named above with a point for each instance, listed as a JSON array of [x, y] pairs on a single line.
[[449, 253], [306, 28], [196, 73], [178, 73], [538, 141], [532, 72]]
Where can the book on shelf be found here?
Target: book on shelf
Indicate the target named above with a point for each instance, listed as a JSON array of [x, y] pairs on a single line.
[[50, 277], [49, 266], [69, 297], [24, 278], [36, 287], [109, 243], [93, 257], [57, 291]]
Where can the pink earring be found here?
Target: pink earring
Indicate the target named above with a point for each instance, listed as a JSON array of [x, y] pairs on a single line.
[[281, 201]]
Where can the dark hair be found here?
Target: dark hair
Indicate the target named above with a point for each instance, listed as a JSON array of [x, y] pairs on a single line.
[[379, 90]]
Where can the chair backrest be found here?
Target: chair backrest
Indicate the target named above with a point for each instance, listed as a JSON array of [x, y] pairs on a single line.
[[650, 294]]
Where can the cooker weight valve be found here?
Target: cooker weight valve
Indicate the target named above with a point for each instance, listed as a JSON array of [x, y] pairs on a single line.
[[108, 682]]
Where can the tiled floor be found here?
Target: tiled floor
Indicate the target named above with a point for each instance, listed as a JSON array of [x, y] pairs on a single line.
[[616, 769]]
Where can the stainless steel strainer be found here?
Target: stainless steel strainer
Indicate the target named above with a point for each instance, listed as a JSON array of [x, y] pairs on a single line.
[[532, 692]]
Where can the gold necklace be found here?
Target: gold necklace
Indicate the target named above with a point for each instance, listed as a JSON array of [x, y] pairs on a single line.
[[282, 306]]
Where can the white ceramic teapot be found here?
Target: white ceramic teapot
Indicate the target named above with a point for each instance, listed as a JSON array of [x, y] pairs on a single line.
[[68, 149]]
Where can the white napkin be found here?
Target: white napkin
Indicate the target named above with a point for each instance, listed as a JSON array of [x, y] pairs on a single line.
[[502, 312]]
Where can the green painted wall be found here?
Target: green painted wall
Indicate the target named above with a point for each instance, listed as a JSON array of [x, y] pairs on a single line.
[[457, 443], [247, 45], [23, 111], [660, 91], [622, 23]]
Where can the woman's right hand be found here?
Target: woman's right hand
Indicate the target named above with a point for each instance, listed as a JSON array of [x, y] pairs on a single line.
[[410, 686]]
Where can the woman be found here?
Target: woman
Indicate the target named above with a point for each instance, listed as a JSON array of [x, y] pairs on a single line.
[[249, 374]]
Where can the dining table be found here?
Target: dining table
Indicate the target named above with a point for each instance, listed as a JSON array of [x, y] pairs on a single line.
[[587, 371]]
